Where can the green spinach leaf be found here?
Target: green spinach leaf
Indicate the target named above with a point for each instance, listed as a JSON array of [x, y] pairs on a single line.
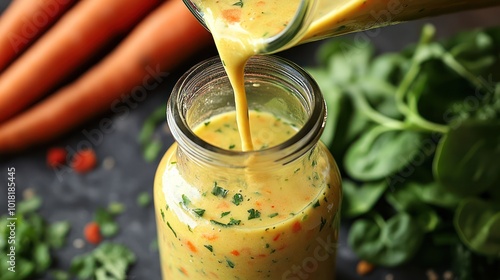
[[478, 226], [468, 157], [381, 152], [360, 200], [388, 243]]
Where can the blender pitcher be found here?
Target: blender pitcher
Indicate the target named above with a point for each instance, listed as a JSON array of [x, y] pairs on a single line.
[[319, 19]]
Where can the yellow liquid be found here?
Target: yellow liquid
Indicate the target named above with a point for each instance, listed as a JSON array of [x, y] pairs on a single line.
[[277, 222]]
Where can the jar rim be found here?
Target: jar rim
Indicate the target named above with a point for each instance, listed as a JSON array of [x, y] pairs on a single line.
[[298, 144]]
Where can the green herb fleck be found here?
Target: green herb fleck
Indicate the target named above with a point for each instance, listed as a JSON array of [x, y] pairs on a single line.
[[175, 234], [323, 223], [199, 212], [209, 247], [106, 221], [233, 222], [218, 191], [253, 214], [116, 208], [230, 263], [315, 205], [224, 214], [185, 200], [237, 199], [273, 215], [239, 4], [143, 199]]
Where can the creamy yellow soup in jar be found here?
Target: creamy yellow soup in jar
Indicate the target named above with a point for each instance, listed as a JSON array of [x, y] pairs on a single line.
[[262, 222]]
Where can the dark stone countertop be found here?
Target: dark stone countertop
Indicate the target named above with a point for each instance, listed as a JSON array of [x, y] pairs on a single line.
[[74, 197]]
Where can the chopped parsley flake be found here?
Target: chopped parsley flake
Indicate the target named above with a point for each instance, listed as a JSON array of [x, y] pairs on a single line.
[[224, 214], [316, 204], [232, 222], [323, 223], [175, 234], [209, 247], [239, 4], [237, 199], [253, 214], [230, 263], [185, 200], [218, 191], [199, 212], [273, 215]]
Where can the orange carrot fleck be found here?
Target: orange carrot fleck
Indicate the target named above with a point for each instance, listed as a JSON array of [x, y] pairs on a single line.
[[210, 237], [56, 157], [191, 247], [92, 233], [183, 270], [364, 267], [276, 237], [223, 205], [235, 253], [296, 227], [232, 15], [84, 161]]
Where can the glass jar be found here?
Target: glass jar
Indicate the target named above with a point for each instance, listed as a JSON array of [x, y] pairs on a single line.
[[320, 19], [271, 213]]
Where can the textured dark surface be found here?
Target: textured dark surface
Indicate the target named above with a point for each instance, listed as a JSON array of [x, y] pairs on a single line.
[[74, 197]]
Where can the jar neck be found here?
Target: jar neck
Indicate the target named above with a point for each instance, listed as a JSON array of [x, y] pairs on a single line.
[[286, 90]]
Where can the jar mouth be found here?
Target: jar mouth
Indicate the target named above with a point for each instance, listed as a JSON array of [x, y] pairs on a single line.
[[298, 144]]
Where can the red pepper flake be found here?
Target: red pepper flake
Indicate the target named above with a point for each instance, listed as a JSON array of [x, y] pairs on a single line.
[[92, 233], [276, 237], [56, 157], [235, 253], [296, 227], [191, 246], [84, 161]]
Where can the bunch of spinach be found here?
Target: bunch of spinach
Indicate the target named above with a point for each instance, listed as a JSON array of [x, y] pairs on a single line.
[[416, 135]]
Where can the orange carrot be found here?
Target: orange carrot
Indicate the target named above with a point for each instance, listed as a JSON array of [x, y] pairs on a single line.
[[160, 42], [22, 23], [71, 41]]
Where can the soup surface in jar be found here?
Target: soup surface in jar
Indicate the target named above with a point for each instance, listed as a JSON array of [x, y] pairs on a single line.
[[263, 223]]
